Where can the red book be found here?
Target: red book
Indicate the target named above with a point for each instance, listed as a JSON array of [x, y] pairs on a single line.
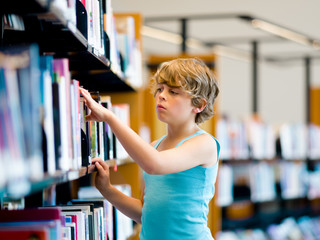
[[30, 215], [39, 234]]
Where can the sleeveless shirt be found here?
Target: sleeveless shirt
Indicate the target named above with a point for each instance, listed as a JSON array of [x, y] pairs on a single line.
[[176, 205]]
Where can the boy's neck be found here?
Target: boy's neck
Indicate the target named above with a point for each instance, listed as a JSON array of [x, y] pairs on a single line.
[[182, 131]]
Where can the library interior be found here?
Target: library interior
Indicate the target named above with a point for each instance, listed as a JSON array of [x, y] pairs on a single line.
[[268, 182]]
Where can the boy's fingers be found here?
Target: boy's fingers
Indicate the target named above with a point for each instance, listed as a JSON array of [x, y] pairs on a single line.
[[82, 89], [88, 118], [98, 166], [85, 93], [102, 163]]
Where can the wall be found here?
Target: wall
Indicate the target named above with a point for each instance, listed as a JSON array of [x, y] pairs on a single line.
[[281, 90]]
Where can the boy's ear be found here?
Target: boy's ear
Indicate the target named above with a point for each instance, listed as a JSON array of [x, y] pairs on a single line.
[[200, 109]]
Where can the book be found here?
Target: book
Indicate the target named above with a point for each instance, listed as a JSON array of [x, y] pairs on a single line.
[[262, 182], [24, 233], [293, 177], [122, 111], [94, 131], [85, 218], [122, 225], [109, 152], [99, 225], [21, 116], [46, 70], [225, 185], [85, 132], [76, 125], [56, 122], [69, 231], [31, 218], [62, 78]]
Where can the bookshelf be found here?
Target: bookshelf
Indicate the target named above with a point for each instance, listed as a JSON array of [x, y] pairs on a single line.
[[56, 34], [314, 110], [267, 192]]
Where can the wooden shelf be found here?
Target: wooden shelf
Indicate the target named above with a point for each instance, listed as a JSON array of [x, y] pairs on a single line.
[[62, 177], [102, 81]]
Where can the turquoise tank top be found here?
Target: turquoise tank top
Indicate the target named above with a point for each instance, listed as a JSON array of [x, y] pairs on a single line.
[[176, 205]]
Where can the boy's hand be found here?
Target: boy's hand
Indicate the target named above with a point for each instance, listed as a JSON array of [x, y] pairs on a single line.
[[98, 112], [102, 180]]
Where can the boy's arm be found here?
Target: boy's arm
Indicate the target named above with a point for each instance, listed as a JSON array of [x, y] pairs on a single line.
[[200, 150], [129, 206]]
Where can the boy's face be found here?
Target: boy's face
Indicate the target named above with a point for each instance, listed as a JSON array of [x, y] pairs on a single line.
[[173, 104]]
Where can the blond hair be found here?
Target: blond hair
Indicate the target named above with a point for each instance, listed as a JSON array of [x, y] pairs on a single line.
[[193, 76]]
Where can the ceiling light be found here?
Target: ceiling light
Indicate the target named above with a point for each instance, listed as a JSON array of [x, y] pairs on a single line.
[[280, 31], [316, 44], [174, 38], [233, 53], [161, 35]]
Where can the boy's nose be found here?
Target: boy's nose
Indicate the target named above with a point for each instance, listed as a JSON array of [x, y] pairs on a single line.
[[162, 95]]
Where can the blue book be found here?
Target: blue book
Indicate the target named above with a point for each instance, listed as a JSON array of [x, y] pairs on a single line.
[[46, 95], [27, 70]]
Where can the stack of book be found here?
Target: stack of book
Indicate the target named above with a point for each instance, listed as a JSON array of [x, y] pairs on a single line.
[[293, 179], [42, 120], [244, 140], [89, 217], [289, 228]]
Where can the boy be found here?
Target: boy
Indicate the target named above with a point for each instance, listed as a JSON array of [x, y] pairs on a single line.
[[180, 169]]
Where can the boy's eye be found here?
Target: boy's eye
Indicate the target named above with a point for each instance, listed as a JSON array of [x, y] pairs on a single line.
[[173, 92]]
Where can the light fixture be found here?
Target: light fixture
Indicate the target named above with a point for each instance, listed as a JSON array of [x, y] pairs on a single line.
[[316, 44], [280, 31], [196, 44], [161, 35], [171, 37], [232, 53]]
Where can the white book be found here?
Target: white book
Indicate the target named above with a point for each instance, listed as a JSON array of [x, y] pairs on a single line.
[[124, 225], [80, 223], [48, 122], [64, 161], [224, 138], [300, 141], [122, 111], [66, 231], [225, 185], [313, 140], [286, 141], [85, 209], [89, 6], [73, 127], [16, 151]]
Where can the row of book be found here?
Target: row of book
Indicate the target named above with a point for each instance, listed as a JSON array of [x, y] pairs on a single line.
[[258, 140], [290, 228], [128, 46], [261, 178], [108, 35], [115, 37], [111, 36], [13, 22], [90, 217], [42, 120], [244, 140]]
